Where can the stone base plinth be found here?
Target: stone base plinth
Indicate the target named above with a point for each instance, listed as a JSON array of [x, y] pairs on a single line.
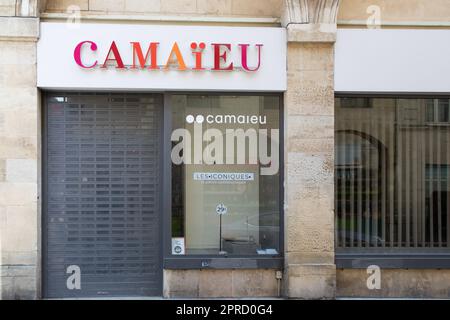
[[220, 283], [310, 281]]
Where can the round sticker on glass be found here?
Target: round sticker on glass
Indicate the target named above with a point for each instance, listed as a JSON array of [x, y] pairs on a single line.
[[221, 209]]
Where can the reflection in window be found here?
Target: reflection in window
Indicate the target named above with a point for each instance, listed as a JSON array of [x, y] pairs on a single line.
[[392, 175], [223, 203], [437, 111]]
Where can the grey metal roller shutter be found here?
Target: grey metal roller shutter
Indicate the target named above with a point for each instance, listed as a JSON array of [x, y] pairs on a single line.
[[102, 194]]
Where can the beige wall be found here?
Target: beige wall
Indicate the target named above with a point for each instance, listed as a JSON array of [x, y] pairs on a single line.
[[265, 8], [19, 157], [395, 283], [7, 7], [221, 283], [418, 11], [309, 108], [392, 10], [309, 175], [310, 270]]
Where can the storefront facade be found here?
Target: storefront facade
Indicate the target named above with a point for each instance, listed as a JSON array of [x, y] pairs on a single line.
[[223, 149]]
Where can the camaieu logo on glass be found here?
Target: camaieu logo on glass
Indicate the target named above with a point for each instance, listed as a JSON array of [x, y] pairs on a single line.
[[227, 119], [227, 143]]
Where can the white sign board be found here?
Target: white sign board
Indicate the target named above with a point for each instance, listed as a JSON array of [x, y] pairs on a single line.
[[178, 247], [201, 58], [391, 60]]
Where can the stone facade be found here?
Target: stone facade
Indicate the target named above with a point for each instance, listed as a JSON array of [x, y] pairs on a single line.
[[400, 12], [221, 283], [267, 8], [395, 283], [310, 270], [19, 151]]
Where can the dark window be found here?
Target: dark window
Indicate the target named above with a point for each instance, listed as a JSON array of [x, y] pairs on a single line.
[[225, 196], [355, 103], [392, 177], [437, 111]]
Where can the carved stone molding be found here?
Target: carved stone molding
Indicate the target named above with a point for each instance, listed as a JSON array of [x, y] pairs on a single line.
[[27, 8], [30, 8], [310, 12]]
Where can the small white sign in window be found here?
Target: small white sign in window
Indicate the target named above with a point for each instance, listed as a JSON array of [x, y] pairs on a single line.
[[224, 176], [178, 246]]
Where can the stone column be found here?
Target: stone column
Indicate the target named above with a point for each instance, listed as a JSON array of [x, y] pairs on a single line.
[[19, 155], [310, 271]]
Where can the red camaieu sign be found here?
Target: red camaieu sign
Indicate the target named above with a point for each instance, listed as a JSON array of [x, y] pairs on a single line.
[[176, 58]]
